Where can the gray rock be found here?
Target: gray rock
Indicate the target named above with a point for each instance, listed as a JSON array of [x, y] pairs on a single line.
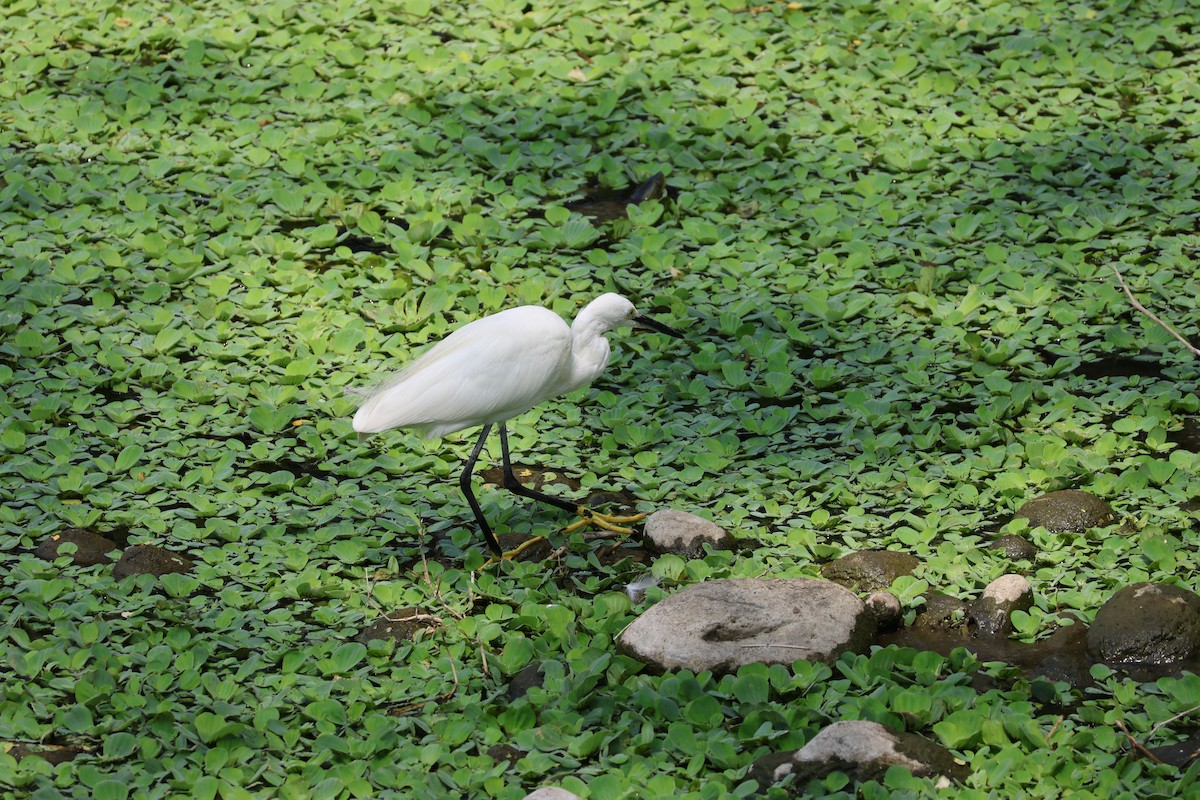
[[887, 610], [721, 625], [551, 793], [1015, 548], [992, 612], [861, 749], [1147, 623], [869, 570], [674, 531], [1068, 511]]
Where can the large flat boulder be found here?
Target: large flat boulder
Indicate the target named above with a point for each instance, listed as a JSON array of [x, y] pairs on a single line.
[[721, 625]]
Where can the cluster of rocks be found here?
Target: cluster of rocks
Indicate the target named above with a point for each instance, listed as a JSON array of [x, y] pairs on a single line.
[[864, 750], [721, 625]]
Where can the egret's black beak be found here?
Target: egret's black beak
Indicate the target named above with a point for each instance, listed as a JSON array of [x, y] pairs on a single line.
[[650, 324]]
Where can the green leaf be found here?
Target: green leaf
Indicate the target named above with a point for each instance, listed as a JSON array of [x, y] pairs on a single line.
[[120, 745], [347, 657], [110, 790], [166, 339], [704, 711], [13, 439], [268, 418], [129, 456], [751, 688], [177, 584], [960, 729], [323, 235], [1159, 547], [348, 551], [517, 653], [299, 369], [212, 727], [455, 732]]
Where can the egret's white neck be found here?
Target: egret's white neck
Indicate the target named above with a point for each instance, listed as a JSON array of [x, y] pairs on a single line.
[[589, 349]]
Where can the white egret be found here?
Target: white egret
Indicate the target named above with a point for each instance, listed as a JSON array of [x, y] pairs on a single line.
[[495, 368]]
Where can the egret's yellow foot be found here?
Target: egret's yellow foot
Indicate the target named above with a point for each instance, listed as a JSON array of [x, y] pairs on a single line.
[[516, 551], [608, 522]]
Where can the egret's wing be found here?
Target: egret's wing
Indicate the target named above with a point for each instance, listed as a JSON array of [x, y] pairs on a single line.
[[484, 372], [443, 349]]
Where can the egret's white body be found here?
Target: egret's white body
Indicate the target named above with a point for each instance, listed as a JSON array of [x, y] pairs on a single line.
[[495, 368]]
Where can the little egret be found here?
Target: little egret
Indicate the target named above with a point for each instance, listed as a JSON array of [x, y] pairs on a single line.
[[495, 368]]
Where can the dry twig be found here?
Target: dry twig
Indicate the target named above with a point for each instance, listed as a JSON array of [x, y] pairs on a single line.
[[1128, 293], [1165, 722], [1136, 745], [1057, 722]]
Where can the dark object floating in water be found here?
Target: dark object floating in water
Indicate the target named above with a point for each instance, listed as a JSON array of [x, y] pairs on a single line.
[[54, 751], [91, 548], [363, 244], [1119, 368], [141, 559], [607, 204], [1180, 754], [401, 626], [1187, 437]]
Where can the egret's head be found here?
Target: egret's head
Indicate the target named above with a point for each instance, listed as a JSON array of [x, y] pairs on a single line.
[[611, 310]]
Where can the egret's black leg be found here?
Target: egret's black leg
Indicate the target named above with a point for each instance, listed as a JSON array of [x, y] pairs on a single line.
[[464, 483], [587, 515], [516, 487]]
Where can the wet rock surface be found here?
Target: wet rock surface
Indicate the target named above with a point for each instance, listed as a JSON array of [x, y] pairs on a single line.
[[150, 559], [1068, 511], [889, 613], [941, 611], [722, 625], [90, 548], [869, 570], [1187, 436], [1015, 548], [505, 752], [1180, 754], [1147, 631], [1147, 623]]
